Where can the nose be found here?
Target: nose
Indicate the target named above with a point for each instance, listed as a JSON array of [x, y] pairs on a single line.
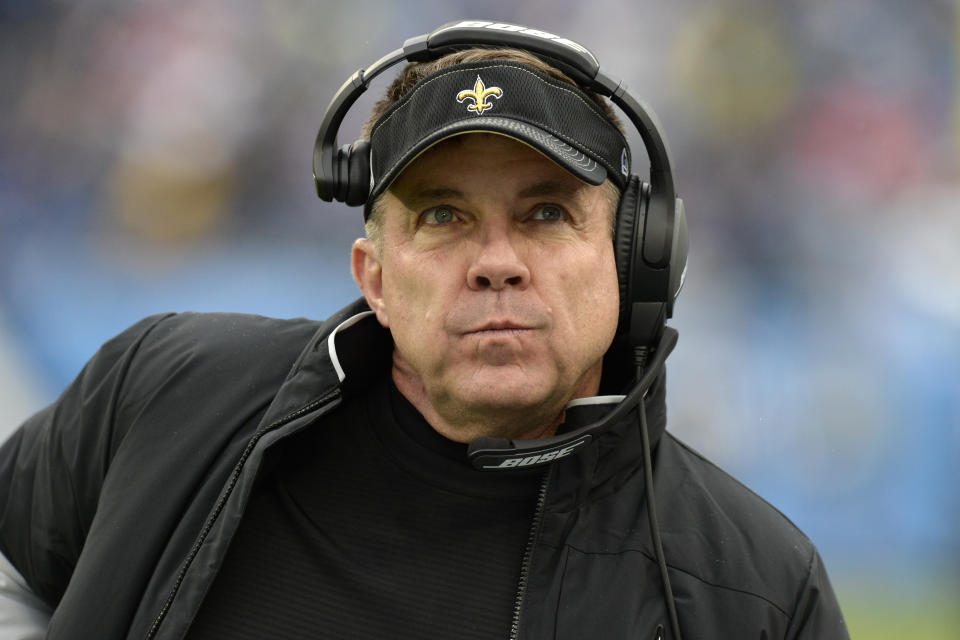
[[497, 264]]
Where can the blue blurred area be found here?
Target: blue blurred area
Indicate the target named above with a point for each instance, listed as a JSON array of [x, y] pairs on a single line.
[[157, 157]]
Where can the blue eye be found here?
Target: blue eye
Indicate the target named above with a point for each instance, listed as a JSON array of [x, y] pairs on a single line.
[[549, 213], [438, 215]]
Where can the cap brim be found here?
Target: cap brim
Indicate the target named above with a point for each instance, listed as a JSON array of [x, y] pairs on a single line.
[[566, 156]]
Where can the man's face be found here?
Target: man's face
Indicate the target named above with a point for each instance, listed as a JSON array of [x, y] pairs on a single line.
[[496, 277]]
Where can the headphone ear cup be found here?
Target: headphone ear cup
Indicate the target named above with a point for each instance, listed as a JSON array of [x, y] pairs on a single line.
[[358, 174], [645, 289], [340, 171], [678, 256], [351, 173], [630, 214], [322, 181]]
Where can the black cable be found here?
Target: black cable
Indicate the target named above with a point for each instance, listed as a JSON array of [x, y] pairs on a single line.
[[652, 519]]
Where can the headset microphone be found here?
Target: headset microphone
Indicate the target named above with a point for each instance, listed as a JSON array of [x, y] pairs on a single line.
[[497, 454], [500, 454]]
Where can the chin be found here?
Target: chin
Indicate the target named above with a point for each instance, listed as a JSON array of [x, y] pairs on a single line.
[[501, 391]]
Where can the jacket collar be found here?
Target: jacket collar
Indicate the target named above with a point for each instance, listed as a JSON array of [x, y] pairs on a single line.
[[351, 351], [313, 376]]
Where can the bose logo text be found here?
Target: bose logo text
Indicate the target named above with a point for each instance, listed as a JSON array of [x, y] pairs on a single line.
[[502, 26], [543, 457]]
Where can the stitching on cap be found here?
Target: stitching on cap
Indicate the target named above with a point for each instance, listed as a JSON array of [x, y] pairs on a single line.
[[407, 156], [400, 161], [520, 125], [556, 134], [592, 107]]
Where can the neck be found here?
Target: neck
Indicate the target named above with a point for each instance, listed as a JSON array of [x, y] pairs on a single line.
[[465, 424]]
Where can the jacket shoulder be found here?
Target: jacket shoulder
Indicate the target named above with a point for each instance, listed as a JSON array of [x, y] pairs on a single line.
[[233, 337], [726, 536], [236, 344], [200, 364]]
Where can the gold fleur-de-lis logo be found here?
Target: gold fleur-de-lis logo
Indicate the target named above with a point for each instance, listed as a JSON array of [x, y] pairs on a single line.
[[479, 95]]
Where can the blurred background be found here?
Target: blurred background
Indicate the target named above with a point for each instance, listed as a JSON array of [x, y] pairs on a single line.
[[157, 156]]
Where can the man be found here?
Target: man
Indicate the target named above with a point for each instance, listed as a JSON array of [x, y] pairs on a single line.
[[466, 452]]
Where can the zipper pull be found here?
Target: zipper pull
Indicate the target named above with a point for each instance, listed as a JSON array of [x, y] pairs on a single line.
[[658, 634]]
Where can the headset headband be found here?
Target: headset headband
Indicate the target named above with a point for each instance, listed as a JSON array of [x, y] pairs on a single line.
[[567, 55]]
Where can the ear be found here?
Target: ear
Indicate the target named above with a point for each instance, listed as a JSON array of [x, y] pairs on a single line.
[[368, 274]]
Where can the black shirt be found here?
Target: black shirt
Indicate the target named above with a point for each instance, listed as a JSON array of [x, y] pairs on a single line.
[[374, 526]]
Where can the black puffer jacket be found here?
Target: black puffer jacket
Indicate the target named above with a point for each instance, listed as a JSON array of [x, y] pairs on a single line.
[[117, 503]]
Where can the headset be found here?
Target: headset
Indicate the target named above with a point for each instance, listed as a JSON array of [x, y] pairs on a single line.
[[650, 241], [651, 233]]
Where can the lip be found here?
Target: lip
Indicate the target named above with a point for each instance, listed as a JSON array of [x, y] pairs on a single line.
[[498, 326]]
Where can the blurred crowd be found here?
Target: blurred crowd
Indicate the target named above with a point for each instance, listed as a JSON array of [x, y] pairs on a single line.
[[156, 156]]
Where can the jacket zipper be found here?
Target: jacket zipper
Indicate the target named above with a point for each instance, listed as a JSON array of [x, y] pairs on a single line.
[[528, 554], [222, 501]]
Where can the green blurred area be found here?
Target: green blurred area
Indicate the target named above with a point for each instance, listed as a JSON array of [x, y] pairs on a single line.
[[880, 609]]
